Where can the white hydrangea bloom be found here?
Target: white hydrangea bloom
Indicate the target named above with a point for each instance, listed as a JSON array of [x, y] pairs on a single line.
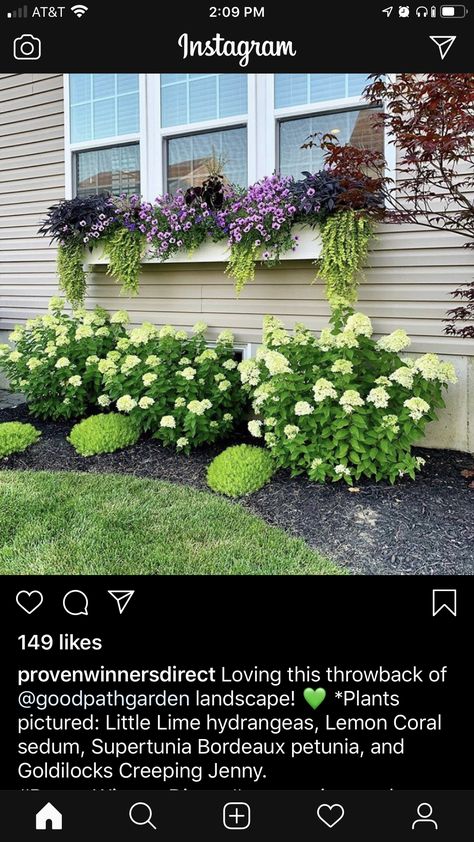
[[182, 442], [102, 331], [342, 470], [168, 421], [120, 318], [270, 439], [346, 339], [323, 389], [188, 373], [276, 362], [123, 344], [303, 408], [229, 365], [92, 360], [417, 406], [199, 327], [75, 380], [131, 360], [291, 431], [17, 334], [153, 361], [145, 402], [395, 342], [350, 399], [83, 332], [148, 378], [403, 376], [316, 463], [379, 397], [226, 337], [181, 335], [115, 356], [327, 340], [249, 372], [228, 417], [63, 362], [103, 400], [342, 367], [255, 428], [199, 407], [179, 402], [224, 385], [15, 356], [270, 422], [359, 324], [382, 381], [107, 367], [126, 403], [420, 462], [33, 363], [207, 354]]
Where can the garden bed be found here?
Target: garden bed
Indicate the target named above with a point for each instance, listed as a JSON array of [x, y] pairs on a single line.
[[422, 527]]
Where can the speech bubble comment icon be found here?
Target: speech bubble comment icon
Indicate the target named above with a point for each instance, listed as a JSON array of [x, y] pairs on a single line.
[[76, 603]]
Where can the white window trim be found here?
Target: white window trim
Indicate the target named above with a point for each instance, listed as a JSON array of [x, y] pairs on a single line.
[[261, 121]]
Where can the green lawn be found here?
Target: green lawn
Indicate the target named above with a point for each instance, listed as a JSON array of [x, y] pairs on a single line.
[[73, 523]]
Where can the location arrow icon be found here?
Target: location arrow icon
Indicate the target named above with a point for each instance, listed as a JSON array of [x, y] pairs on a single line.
[[444, 43], [122, 599]]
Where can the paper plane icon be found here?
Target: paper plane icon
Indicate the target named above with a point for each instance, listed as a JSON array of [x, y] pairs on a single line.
[[388, 11], [444, 43], [122, 599]]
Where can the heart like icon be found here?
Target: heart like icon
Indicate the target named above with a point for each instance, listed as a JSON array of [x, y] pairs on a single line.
[[314, 697], [29, 601], [330, 814]]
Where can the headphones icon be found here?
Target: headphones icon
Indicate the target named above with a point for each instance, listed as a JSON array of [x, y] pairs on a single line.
[[422, 12]]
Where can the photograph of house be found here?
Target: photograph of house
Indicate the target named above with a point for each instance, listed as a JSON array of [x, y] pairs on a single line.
[[64, 136]]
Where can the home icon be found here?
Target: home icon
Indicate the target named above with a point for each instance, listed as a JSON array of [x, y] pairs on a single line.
[[49, 818]]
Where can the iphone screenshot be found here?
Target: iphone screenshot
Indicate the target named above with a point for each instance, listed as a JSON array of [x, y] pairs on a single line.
[[236, 421]]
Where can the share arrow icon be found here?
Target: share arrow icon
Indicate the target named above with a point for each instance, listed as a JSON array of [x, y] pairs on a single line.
[[122, 599], [444, 43]]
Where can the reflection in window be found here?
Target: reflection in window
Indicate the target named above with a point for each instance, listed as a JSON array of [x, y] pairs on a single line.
[[115, 170], [354, 127], [188, 157]]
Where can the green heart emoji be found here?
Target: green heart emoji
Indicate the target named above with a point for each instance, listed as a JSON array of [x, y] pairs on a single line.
[[314, 697]]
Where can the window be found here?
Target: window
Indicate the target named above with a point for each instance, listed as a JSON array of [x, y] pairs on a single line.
[[342, 111], [105, 111], [115, 169], [217, 105]]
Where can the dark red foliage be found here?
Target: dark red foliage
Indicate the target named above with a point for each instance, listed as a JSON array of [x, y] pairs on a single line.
[[465, 313]]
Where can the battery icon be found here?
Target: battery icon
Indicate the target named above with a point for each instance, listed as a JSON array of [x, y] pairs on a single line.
[[453, 11]]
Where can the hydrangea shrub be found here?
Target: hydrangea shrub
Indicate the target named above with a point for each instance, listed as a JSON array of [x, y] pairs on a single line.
[[54, 360], [173, 385], [240, 470], [342, 406]]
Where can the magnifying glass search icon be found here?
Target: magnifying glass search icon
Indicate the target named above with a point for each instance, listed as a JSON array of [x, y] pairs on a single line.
[[141, 814]]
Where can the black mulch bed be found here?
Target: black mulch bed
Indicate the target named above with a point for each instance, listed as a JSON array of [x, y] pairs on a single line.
[[423, 527]]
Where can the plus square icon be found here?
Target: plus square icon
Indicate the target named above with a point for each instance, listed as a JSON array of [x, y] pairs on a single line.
[[236, 815]]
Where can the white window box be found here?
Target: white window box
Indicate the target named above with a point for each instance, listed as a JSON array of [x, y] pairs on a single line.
[[308, 248]]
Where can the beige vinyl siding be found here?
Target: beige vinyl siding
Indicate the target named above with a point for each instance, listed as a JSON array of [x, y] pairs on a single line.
[[407, 282], [32, 177]]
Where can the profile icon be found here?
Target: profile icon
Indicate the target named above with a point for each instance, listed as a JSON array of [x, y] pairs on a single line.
[[425, 812]]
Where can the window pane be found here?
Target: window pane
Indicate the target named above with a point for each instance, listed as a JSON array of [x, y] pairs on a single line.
[[203, 99], [114, 170], [174, 105], [127, 114], [232, 94], [354, 127], [103, 85], [196, 97], [305, 88], [188, 157], [81, 123], [104, 118], [104, 105], [80, 87]]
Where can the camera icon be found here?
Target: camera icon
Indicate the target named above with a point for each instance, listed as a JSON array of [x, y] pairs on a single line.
[[27, 48]]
